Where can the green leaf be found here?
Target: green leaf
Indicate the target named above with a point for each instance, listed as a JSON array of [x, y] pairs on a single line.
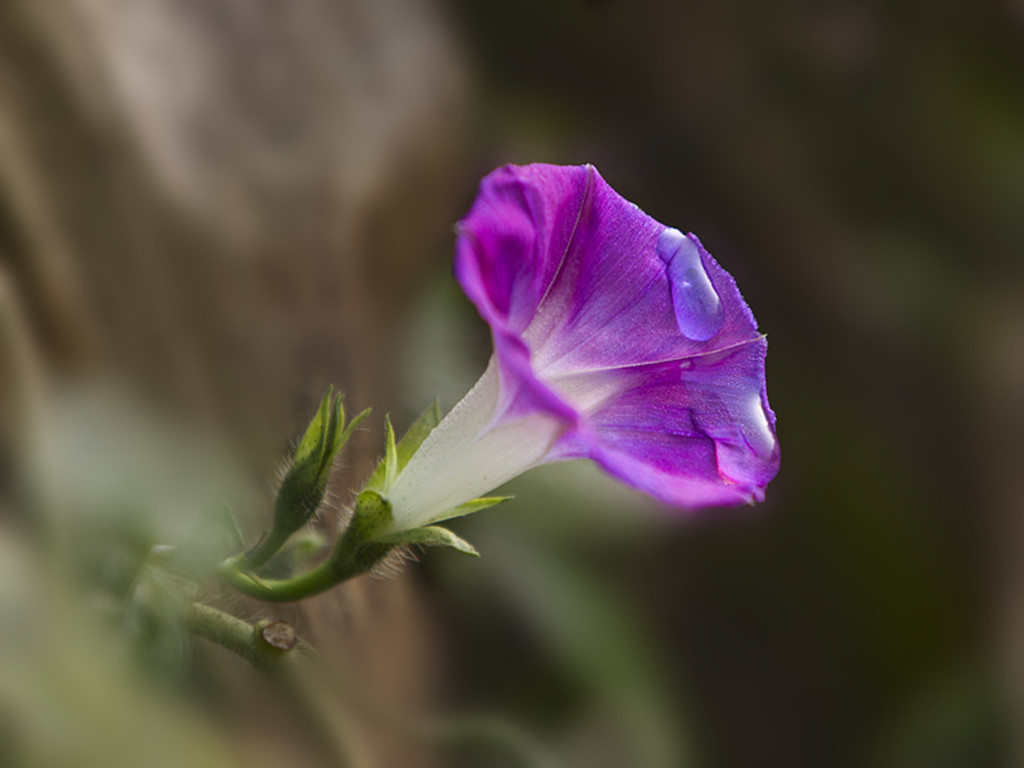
[[430, 536], [406, 447]]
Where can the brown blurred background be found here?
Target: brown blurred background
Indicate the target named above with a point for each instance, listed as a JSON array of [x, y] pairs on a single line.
[[210, 209]]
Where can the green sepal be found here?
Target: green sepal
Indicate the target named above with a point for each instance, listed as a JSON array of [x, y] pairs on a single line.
[[385, 472], [356, 550], [371, 516], [368, 538], [390, 454], [430, 536], [335, 425], [484, 502], [346, 433], [305, 484], [417, 433], [309, 453], [365, 543], [303, 487]]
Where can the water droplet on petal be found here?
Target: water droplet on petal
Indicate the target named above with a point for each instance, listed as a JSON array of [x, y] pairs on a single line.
[[754, 421], [698, 309]]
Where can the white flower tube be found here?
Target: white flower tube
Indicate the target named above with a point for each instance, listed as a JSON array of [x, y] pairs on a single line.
[[467, 455]]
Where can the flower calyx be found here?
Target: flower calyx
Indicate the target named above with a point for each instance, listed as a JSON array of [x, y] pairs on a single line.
[[371, 533], [370, 537]]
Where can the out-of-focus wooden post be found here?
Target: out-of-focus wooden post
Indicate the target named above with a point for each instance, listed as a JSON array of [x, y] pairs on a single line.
[[230, 203]]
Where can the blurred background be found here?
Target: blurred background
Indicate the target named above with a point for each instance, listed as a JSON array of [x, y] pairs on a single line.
[[209, 210]]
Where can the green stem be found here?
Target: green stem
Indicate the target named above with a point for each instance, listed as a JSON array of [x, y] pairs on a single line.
[[313, 582], [237, 636], [269, 546], [323, 577]]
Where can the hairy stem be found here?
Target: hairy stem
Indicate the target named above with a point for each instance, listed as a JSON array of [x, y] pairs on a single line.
[[238, 636], [326, 575], [313, 582]]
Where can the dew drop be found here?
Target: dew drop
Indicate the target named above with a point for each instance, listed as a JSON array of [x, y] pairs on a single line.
[[698, 309], [756, 429]]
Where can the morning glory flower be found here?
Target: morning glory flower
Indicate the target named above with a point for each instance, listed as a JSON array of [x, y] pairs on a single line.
[[616, 339]]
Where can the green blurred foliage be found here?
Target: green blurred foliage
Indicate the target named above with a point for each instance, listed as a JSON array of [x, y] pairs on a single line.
[[93, 654]]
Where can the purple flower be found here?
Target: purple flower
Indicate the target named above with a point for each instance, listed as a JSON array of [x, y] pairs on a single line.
[[615, 339]]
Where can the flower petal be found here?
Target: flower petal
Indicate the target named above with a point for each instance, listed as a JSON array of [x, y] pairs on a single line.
[[613, 303], [691, 433], [515, 236]]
